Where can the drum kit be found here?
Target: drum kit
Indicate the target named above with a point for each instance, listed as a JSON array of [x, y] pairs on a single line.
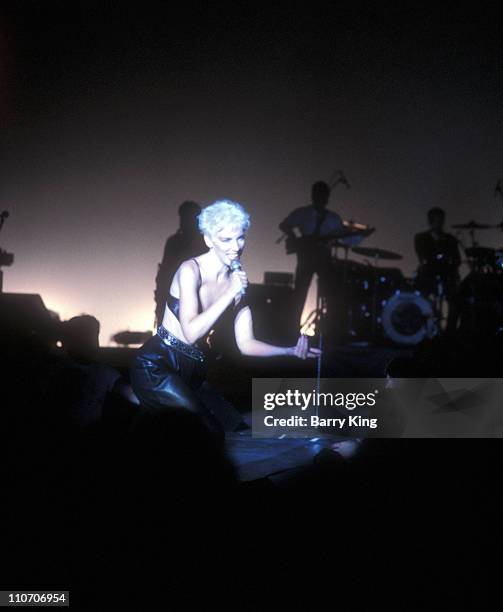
[[481, 291], [381, 304]]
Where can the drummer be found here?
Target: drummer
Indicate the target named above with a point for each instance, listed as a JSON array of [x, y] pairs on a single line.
[[439, 261]]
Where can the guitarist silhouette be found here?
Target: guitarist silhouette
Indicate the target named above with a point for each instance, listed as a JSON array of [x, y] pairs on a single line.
[[316, 226]]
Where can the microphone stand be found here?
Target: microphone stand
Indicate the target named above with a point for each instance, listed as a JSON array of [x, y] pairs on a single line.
[[321, 311], [316, 320]]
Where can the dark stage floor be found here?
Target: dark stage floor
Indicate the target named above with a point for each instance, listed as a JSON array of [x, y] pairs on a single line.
[[255, 458], [261, 458], [136, 519]]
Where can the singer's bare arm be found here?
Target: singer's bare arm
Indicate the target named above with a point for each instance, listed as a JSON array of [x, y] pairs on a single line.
[[194, 325], [249, 345]]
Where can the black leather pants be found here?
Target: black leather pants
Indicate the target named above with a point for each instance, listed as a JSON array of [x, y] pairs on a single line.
[[164, 378]]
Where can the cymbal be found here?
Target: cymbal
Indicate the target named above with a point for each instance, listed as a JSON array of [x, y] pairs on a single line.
[[472, 225], [375, 252]]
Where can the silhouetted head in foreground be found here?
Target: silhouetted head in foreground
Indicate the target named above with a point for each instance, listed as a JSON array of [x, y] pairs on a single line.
[[80, 337]]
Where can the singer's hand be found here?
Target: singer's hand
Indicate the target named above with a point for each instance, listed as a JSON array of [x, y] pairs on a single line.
[[302, 350], [239, 282]]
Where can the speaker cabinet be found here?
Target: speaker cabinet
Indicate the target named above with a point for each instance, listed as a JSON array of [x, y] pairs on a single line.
[[26, 313]]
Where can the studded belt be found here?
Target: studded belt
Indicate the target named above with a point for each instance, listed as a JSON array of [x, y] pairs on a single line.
[[174, 342]]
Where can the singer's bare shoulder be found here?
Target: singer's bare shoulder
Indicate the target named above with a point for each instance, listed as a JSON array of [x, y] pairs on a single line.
[[194, 265], [188, 273], [190, 264]]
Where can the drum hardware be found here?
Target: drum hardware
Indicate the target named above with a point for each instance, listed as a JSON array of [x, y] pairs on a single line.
[[481, 302], [472, 225], [376, 254], [480, 257], [379, 302], [481, 292], [355, 233]]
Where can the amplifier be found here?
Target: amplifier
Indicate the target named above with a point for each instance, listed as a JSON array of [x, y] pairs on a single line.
[[273, 313], [26, 313]]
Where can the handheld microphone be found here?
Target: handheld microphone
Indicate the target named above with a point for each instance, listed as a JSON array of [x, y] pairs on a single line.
[[235, 265]]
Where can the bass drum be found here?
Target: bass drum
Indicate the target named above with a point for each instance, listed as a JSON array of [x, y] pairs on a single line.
[[408, 318]]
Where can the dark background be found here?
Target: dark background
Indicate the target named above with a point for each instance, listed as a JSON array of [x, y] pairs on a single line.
[[112, 116]]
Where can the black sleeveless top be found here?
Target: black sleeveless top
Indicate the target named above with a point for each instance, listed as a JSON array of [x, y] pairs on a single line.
[[222, 336], [173, 304]]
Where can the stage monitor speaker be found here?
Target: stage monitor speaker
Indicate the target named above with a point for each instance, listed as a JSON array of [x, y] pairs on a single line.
[[26, 313], [273, 313]]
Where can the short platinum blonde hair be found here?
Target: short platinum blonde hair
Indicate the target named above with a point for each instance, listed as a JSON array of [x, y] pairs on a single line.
[[220, 214]]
